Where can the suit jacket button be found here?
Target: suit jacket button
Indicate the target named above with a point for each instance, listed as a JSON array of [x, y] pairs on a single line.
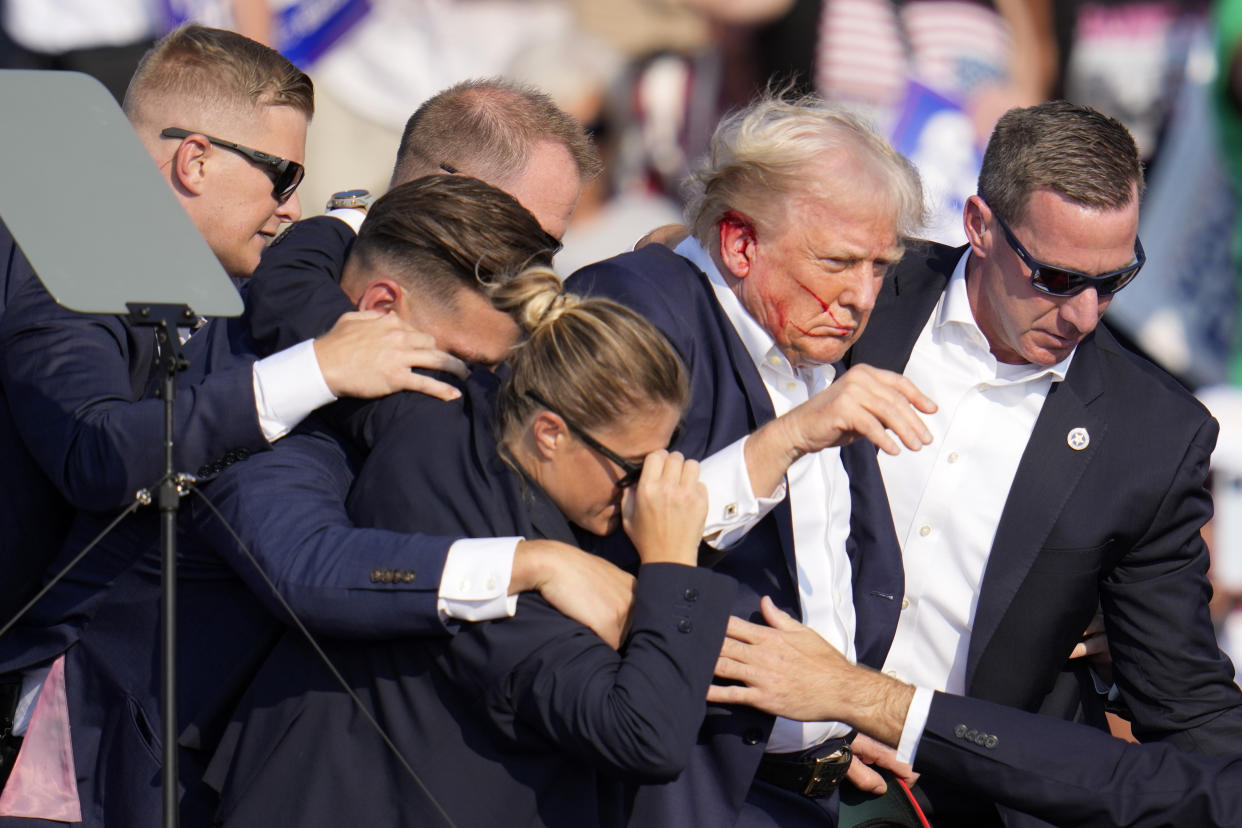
[[407, 576], [388, 576], [685, 626], [960, 731], [377, 575], [691, 594], [752, 736], [991, 742]]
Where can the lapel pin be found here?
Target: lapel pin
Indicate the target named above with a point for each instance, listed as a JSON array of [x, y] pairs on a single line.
[[1078, 439]]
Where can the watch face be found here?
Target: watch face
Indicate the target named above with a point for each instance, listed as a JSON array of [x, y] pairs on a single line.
[[345, 194]]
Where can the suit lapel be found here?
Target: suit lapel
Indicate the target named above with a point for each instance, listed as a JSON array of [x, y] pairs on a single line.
[[1047, 473], [905, 302]]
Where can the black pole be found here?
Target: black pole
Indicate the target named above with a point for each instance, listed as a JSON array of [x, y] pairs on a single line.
[[166, 319], [168, 502]]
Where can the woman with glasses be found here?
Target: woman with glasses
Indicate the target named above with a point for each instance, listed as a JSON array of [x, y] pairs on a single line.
[[532, 720]]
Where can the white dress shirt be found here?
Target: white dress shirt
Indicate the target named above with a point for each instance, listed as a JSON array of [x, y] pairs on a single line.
[[947, 498], [819, 499]]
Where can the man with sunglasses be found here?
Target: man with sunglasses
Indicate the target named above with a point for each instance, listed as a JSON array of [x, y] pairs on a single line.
[[224, 119], [1065, 474]]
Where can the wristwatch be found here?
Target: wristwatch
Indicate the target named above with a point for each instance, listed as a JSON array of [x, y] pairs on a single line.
[[359, 199]]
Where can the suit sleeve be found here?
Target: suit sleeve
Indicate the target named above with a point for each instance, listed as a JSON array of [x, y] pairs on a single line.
[[1174, 679], [287, 507], [636, 713], [295, 294], [67, 378], [1074, 775]]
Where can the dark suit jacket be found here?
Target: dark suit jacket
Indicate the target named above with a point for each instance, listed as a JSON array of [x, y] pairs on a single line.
[[79, 430], [1072, 775], [1115, 524], [728, 401], [287, 507], [511, 722]]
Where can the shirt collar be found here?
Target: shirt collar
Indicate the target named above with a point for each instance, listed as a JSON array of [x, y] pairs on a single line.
[[954, 309], [758, 342]]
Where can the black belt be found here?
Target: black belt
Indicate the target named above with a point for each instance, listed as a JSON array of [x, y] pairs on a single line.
[[10, 694], [814, 773]]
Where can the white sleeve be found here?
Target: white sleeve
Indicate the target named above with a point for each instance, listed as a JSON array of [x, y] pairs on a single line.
[[732, 508], [916, 720], [288, 385], [475, 582]]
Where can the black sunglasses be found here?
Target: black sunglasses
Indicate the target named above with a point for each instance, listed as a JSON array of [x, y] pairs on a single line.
[[286, 175], [1061, 281], [630, 470]]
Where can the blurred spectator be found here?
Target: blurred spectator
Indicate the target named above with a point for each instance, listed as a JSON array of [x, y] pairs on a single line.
[[934, 75]]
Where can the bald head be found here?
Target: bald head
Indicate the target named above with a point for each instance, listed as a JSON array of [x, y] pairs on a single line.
[[511, 136]]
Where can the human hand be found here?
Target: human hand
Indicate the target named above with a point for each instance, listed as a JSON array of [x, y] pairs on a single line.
[[371, 354], [582, 586], [663, 514], [868, 752], [864, 402], [669, 235], [788, 670], [1094, 647]]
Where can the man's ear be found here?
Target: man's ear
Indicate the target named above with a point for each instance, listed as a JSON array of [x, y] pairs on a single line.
[[382, 295], [549, 433], [738, 239], [189, 164], [976, 220]]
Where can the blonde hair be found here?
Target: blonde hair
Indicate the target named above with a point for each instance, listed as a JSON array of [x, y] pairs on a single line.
[[761, 156], [214, 70], [590, 357]]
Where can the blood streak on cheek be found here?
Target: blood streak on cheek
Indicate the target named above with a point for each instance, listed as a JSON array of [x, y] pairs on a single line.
[[823, 306]]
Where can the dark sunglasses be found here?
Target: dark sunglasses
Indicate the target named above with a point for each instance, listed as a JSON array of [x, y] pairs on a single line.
[[1061, 281], [286, 175], [630, 470]]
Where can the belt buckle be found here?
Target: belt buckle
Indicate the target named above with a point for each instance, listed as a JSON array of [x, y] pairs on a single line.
[[828, 772]]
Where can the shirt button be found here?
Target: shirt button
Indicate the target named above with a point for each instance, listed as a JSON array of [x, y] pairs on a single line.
[[491, 583], [775, 360], [983, 386], [790, 386], [463, 586], [953, 457], [924, 530], [905, 603], [891, 673], [730, 511], [685, 626], [752, 736]]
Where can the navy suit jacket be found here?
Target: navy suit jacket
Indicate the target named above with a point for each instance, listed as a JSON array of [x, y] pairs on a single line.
[[1114, 525], [511, 722], [729, 401], [78, 428], [1072, 775], [286, 506]]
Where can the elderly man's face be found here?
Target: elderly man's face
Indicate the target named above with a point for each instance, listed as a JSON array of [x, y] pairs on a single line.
[[1023, 325], [812, 281]]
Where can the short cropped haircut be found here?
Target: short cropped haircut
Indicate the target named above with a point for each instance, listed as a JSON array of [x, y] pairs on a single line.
[[1081, 154], [487, 129], [763, 156], [441, 233], [216, 69]]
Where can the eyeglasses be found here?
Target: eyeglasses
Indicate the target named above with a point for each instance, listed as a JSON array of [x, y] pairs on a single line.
[[1061, 281], [630, 470], [286, 175]]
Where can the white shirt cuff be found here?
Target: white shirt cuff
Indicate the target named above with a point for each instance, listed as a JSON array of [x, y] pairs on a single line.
[[916, 721], [475, 582], [350, 215], [732, 508], [288, 385]]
